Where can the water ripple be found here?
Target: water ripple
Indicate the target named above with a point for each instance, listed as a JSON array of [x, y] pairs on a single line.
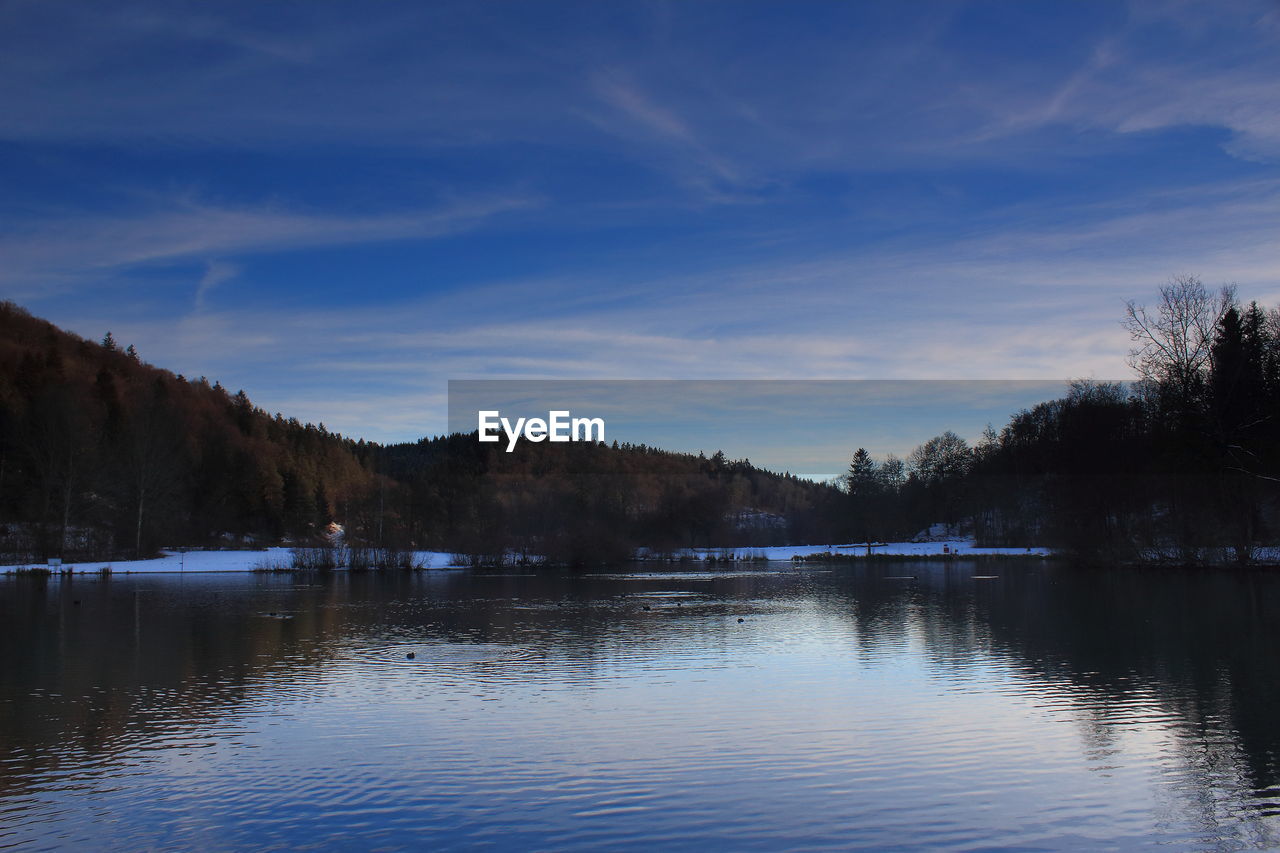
[[870, 707]]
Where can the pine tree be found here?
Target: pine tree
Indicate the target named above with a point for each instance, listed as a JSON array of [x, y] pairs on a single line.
[[861, 478], [1235, 375]]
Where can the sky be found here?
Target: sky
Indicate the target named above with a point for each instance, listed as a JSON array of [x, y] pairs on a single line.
[[339, 207]]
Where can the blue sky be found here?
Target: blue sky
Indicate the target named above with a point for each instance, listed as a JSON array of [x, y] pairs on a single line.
[[339, 207]]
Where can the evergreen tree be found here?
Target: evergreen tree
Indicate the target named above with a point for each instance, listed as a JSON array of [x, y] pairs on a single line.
[[861, 479]]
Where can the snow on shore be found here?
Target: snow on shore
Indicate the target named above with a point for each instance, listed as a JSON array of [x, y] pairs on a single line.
[[960, 547], [213, 561], [279, 558]]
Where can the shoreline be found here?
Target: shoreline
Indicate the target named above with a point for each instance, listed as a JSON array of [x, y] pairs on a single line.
[[278, 559]]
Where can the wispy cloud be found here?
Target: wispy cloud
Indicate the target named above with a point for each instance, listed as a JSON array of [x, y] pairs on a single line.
[[632, 112], [1014, 301], [933, 192], [1164, 68], [627, 99], [79, 246], [215, 273]]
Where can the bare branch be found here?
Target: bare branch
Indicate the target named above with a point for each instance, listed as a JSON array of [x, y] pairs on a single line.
[[1173, 344]]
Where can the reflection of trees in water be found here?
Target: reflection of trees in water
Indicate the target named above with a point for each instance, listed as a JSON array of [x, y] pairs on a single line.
[[1204, 643], [93, 667], [1191, 652]]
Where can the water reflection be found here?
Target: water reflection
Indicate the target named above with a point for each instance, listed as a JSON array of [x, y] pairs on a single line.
[[878, 706]]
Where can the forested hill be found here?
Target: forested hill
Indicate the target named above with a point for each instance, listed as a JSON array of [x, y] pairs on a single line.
[[589, 502], [104, 455]]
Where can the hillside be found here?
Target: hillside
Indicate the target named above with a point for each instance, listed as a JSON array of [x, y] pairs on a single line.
[[586, 502], [103, 455]]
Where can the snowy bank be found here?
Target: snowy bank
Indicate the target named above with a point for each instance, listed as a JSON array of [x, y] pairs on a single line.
[[213, 561], [175, 562], [959, 547]]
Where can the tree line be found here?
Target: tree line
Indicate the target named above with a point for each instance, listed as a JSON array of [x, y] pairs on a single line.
[[105, 456], [1181, 465], [591, 502]]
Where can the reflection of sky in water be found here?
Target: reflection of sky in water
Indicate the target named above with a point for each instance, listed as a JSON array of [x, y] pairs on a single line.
[[808, 427], [556, 712]]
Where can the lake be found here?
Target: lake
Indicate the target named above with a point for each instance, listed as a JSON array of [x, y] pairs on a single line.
[[1005, 705]]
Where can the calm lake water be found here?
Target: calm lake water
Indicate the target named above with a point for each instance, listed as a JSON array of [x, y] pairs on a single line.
[[821, 707]]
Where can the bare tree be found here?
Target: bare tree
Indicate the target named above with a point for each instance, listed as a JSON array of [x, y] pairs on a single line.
[[1173, 344], [940, 465], [943, 457]]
